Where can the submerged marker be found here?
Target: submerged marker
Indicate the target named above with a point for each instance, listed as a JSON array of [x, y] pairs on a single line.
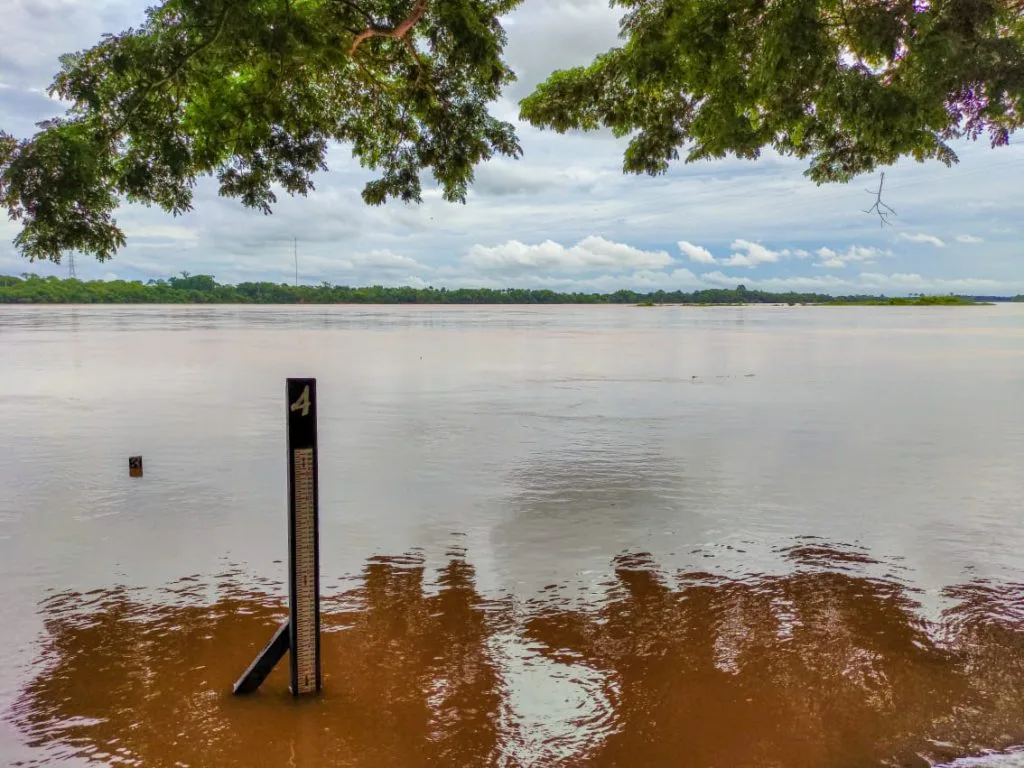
[[303, 538], [300, 634]]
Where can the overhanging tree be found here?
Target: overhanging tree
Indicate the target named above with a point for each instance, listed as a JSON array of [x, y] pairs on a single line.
[[254, 91], [850, 84]]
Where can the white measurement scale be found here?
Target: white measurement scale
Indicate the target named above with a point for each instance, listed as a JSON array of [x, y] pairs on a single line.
[[306, 677]]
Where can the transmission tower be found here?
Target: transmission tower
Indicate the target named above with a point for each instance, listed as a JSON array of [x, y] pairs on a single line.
[[71, 267]]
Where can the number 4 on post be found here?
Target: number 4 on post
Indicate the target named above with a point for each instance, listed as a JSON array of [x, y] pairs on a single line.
[[303, 403]]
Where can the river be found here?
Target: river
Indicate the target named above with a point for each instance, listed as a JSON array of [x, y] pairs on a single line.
[[554, 536]]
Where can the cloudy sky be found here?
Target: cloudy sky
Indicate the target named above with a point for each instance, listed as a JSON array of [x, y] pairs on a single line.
[[563, 216]]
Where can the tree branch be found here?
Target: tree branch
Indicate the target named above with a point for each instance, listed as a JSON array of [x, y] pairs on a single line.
[[175, 71], [361, 11], [883, 215], [397, 32]]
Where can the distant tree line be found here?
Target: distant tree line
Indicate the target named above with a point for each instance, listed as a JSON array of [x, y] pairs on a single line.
[[204, 289]]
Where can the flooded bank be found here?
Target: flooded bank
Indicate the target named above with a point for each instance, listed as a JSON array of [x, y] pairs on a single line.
[[825, 666], [598, 536]]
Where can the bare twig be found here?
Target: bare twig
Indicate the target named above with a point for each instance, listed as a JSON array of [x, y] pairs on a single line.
[[397, 32], [883, 215]]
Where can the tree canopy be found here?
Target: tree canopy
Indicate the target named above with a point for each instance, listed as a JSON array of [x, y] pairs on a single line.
[[253, 92], [850, 84]]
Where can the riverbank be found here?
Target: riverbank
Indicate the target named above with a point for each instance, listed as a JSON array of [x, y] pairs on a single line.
[[204, 289], [914, 301]]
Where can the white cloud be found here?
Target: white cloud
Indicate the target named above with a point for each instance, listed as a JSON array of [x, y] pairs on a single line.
[[156, 231], [415, 282], [696, 253], [590, 253], [640, 280], [921, 237], [720, 279], [382, 260], [755, 254], [504, 177], [824, 283], [863, 253], [897, 283], [913, 282], [537, 45], [831, 259], [383, 267], [739, 260], [969, 239], [685, 277]]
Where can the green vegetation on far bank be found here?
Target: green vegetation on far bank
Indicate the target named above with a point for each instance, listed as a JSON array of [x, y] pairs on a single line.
[[203, 289], [907, 301], [850, 301]]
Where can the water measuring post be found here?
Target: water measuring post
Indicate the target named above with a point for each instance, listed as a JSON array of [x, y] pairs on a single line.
[[300, 634]]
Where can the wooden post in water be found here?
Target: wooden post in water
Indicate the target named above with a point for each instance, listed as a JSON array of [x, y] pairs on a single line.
[[300, 634]]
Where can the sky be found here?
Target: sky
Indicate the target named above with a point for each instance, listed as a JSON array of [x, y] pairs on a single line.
[[564, 216]]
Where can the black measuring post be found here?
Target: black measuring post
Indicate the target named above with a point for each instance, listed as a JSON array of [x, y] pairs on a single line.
[[303, 538], [300, 634]]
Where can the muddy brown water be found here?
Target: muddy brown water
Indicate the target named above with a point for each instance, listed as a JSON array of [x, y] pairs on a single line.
[[608, 536]]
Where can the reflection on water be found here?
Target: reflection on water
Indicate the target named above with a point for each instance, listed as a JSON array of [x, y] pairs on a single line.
[[555, 439], [823, 666]]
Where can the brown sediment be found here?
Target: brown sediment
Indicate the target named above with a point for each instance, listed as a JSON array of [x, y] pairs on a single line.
[[814, 668]]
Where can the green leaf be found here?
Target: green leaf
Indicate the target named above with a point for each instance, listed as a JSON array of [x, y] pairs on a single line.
[[849, 84], [252, 92]]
